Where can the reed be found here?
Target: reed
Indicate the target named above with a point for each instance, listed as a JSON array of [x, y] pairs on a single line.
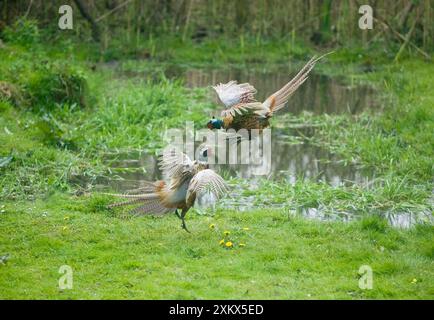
[[322, 22]]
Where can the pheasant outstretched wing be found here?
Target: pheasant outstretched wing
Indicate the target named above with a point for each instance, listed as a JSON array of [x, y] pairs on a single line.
[[278, 99], [206, 180], [232, 93], [175, 164], [244, 108]]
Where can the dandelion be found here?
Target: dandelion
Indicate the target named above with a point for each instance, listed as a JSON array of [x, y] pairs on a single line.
[[226, 233], [222, 241], [229, 244], [212, 226]]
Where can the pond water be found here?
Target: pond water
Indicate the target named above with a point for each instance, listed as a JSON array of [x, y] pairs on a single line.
[[319, 94], [291, 160], [293, 157]]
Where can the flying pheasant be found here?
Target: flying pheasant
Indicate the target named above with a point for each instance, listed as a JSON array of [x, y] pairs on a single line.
[[244, 112], [183, 180]]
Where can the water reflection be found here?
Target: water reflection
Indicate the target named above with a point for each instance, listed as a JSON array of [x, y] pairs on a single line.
[[293, 161], [289, 161], [319, 94], [403, 220], [293, 157]]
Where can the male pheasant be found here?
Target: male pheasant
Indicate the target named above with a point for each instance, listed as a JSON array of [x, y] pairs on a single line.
[[184, 180], [244, 112]]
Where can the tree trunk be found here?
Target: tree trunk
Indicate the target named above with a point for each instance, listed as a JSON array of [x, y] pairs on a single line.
[[85, 13]]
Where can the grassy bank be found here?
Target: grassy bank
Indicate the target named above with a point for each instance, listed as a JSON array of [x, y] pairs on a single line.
[[65, 119], [147, 258]]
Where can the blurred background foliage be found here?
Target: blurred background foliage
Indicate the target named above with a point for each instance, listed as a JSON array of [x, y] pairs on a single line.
[[74, 95], [323, 23]]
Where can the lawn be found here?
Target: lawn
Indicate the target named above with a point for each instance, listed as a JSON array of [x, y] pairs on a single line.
[[47, 139], [153, 258]]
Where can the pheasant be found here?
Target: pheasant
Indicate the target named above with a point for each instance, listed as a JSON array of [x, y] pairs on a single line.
[[183, 180], [244, 112]]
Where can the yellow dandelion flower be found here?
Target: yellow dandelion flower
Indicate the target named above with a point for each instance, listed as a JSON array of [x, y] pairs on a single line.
[[212, 226], [226, 233], [222, 242], [229, 244]]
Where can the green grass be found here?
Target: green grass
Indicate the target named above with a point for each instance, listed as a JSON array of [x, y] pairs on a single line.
[[384, 195], [51, 142], [399, 141], [221, 51], [48, 221], [153, 258]]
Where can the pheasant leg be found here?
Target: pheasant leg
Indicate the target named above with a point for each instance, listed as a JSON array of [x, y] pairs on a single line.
[[183, 213], [177, 214]]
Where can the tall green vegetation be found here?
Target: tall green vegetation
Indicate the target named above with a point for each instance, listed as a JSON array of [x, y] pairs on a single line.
[[326, 23], [64, 118], [35, 80]]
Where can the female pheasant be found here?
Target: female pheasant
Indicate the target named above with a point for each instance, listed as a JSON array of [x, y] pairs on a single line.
[[183, 180], [244, 112]]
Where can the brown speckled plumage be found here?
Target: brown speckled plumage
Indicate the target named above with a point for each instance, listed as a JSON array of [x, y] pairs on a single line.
[[249, 120], [184, 179], [244, 112]]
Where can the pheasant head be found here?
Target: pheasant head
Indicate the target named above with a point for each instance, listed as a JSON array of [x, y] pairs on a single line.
[[215, 123]]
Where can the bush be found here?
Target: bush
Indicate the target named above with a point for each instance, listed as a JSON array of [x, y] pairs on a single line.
[[24, 32], [57, 83], [32, 76]]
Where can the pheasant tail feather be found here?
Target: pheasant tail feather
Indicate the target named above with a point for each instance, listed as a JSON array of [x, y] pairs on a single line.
[[149, 200]]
